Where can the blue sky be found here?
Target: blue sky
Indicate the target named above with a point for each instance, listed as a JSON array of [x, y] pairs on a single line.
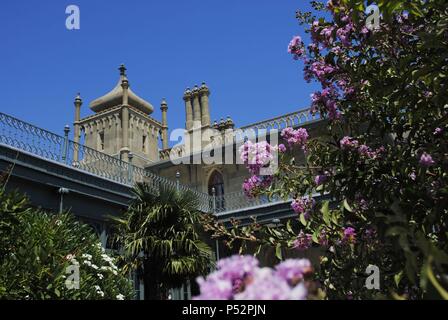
[[237, 46]]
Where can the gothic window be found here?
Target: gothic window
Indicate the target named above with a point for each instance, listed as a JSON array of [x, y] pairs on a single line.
[[144, 143], [101, 141], [217, 182]]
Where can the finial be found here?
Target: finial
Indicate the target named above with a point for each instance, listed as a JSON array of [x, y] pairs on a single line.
[[78, 100], [163, 104], [196, 88], [122, 70], [204, 89], [78, 97], [66, 129], [187, 94]]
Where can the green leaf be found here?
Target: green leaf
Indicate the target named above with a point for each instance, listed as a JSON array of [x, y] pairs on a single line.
[[315, 237], [347, 206], [434, 281], [335, 217], [326, 213], [303, 220], [289, 227], [398, 277], [278, 251]]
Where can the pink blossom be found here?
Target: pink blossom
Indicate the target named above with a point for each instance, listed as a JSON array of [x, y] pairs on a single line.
[[296, 47], [303, 206], [256, 155], [323, 238], [295, 137], [293, 270], [254, 183], [281, 148], [327, 98], [348, 143], [240, 278], [303, 241], [349, 235], [426, 160], [320, 179]]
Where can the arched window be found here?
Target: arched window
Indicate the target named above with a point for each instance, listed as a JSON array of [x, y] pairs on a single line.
[[217, 182]]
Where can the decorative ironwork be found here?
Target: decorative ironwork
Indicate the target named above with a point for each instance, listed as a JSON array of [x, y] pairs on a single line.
[[237, 201], [293, 119], [27, 137]]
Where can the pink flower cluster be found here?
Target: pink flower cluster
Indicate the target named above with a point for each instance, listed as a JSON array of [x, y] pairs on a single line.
[[348, 143], [344, 33], [320, 179], [254, 183], [426, 160], [256, 155], [367, 152], [349, 235], [296, 47], [319, 70], [328, 98], [304, 205], [240, 278], [323, 238], [303, 242], [297, 137]]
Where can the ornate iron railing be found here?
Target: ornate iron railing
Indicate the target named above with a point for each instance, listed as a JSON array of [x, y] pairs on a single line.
[[238, 201], [27, 137], [293, 119], [24, 136]]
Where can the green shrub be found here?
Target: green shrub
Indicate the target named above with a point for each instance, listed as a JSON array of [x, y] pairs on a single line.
[[37, 250]]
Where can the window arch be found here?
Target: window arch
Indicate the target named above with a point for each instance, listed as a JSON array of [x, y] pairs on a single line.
[[216, 182]]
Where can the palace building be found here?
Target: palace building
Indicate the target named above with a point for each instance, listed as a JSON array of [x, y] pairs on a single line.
[[121, 126]]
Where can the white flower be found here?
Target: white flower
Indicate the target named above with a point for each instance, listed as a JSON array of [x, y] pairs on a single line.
[[107, 258], [120, 297], [113, 266], [98, 288], [88, 263], [100, 246], [100, 276], [87, 256], [58, 222], [101, 293], [70, 257], [94, 266]]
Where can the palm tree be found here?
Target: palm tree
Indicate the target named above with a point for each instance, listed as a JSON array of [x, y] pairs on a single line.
[[160, 238]]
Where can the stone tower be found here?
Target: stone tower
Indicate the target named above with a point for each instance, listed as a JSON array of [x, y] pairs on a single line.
[[121, 124], [197, 114]]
